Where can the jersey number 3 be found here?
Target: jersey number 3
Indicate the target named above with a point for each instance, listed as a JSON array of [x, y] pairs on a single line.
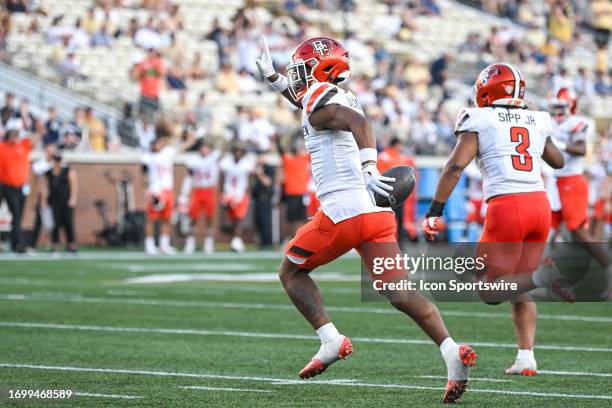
[[521, 161]]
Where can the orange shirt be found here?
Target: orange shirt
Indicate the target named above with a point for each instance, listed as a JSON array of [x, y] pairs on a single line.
[[150, 72], [391, 158], [297, 173], [15, 162]]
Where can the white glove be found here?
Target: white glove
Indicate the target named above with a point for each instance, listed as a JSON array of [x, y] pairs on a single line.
[[264, 63], [375, 183]]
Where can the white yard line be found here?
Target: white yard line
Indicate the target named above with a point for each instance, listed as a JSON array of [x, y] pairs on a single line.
[[115, 329], [200, 387], [574, 373], [272, 381], [274, 306], [127, 255], [89, 394], [442, 377]]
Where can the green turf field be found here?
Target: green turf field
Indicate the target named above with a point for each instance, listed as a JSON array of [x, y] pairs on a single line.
[[122, 329]]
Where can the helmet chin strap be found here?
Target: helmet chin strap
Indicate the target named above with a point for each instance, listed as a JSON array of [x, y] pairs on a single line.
[[343, 78]]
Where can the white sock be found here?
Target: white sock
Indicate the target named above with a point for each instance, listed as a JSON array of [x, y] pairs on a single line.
[[327, 332], [164, 241], [539, 278], [149, 241], [448, 346], [525, 354]]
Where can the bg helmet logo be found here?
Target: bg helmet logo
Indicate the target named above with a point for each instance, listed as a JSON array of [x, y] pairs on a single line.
[[321, 48], [486, 75]]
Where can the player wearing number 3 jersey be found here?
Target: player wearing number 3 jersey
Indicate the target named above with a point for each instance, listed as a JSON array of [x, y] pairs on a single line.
[[508, 140]]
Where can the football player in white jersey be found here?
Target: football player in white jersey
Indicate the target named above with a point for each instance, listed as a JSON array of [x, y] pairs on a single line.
[[201, 184], [343, 153], [158, 168], [571, 131], [507, 140], [237, 169]]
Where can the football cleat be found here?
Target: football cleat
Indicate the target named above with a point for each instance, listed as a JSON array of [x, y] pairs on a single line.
[[459, 368], [237, 244], [527, 367], [327, 355], [563, 289]]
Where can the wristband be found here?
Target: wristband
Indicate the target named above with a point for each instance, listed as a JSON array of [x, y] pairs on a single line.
[[281, 84], [368, 155], [435, 209]]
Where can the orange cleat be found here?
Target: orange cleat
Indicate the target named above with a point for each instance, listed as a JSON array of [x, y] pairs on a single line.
[[563, 289], [316, 366], [455, 388]]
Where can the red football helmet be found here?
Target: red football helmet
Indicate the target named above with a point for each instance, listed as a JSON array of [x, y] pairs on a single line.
[[563, 103], [499, 81], [318, 59]]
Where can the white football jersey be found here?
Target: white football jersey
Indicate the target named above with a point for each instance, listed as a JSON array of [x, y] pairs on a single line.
[[160, 169], [510, 146], [236, 175], [334, 154], [204, 170], [573, 129], [550, 183]]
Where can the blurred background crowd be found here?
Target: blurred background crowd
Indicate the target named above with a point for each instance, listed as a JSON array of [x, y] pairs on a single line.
[[126, 65]]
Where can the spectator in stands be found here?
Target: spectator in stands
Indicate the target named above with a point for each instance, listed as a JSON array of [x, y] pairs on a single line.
[[439, 70], [126, 128], [263, 194], [295, 178], [150, 73], [78, 36], [148, 36], [602, 84], [96, 130], [247, 83], [583, 84], [8, 110], [53, 126], [90, 22], [70, 68], [28, 120], [560, 24], [102, 37], [17, 6], [176, 77], [5, 28], [204, 113], [255, 130], [227, 80], [602, 21], [61, 196], [15, 151], [423, 133], [196, 70]]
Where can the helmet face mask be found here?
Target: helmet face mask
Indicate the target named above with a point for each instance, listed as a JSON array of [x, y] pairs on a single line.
[[299, 75]]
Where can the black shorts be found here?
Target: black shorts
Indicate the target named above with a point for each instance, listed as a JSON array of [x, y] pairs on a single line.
[[296, 210]]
